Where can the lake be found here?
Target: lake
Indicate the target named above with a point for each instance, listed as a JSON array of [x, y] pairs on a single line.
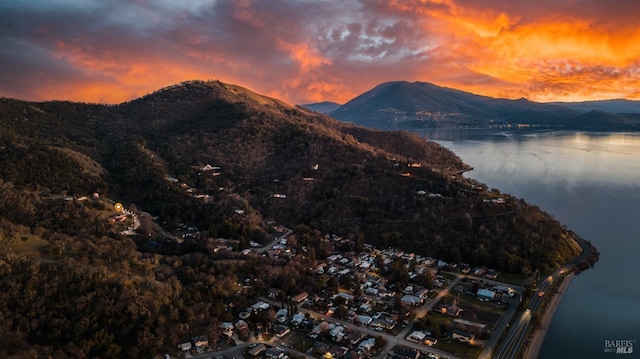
[[591, 183]]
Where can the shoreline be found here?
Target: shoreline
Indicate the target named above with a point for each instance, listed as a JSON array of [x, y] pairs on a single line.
[[537, 339]]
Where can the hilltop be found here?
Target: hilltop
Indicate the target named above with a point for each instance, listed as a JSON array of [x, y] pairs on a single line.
[[203, 163]]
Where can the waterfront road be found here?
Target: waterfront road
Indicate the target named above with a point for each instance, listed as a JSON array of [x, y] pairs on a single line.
[[518, 332]]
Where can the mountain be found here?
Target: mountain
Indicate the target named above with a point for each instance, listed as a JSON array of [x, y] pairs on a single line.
[[611, 106], [322, 107], [401, 104], [205, 170]]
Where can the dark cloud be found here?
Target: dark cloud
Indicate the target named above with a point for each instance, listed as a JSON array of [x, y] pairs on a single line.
[[303, 51]]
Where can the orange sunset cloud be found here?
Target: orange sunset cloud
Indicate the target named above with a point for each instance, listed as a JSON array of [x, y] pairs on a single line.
[[315, 51]]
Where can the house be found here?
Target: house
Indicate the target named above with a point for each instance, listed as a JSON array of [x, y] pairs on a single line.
[[338, 352], [322, 327], [505, 290], [356, 338], [492, 274], [227, 328], [411, 300], [430, 341], [256, 350], [453, 311], [407, 353], [417, 336], [363, 319], [273, 353], [281, 315], [260, 306], [372, 291], [241, 325], [200, 342], [297, 319], [461, 336], [280, 330], [347, 297], [185, 346], [367, 344], [300, 297], [337, 333]]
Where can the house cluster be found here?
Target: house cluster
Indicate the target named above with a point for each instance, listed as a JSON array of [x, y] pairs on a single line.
[[498, 200], [198, 344], [340, 341], [185, 232], [496, 293]]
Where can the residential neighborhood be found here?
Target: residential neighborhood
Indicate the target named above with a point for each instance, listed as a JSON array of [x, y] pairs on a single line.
[[370, 304]]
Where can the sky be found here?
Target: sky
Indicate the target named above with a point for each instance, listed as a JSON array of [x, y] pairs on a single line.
[[304, 51]]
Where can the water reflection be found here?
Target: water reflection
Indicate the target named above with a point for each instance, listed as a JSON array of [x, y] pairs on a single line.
[[591, 183], [558, 157]]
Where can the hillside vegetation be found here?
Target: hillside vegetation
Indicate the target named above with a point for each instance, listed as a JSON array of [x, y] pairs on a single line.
[[67, 270]]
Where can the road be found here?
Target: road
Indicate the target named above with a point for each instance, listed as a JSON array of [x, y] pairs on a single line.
[[518, 333], [286, 233]]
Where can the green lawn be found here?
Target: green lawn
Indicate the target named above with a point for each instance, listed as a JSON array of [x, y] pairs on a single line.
[[512, 278], [304, 344], [458, 349]]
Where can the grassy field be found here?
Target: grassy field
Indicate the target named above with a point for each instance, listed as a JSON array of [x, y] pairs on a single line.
[[511, 278], [458, 349], [22, 244]]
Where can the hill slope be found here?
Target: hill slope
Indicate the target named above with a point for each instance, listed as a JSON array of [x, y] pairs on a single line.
[[364, 181]]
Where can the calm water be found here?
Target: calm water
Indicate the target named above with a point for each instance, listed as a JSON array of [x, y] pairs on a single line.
[[591, 183]]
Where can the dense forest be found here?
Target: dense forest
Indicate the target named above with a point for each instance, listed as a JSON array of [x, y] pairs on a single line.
[[230, 164]]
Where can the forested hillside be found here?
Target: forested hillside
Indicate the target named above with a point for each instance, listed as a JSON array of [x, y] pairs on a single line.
[[197, 162]]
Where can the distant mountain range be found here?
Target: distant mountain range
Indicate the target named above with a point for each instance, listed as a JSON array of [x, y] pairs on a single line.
[[403, 105], [612, 106], [322, 107]]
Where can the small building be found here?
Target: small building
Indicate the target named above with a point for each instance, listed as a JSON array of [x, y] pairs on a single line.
[[260, 306], [273, 353], [363, 319], [417, 336], [185, 346], [357, 338], [367, 344], [461, 336], [200, 342], [299, 298], [454, 311], [280, 330], [411, 300], [227, 328], [485, 294], [297, 319], [256, 350], [407, 353]]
